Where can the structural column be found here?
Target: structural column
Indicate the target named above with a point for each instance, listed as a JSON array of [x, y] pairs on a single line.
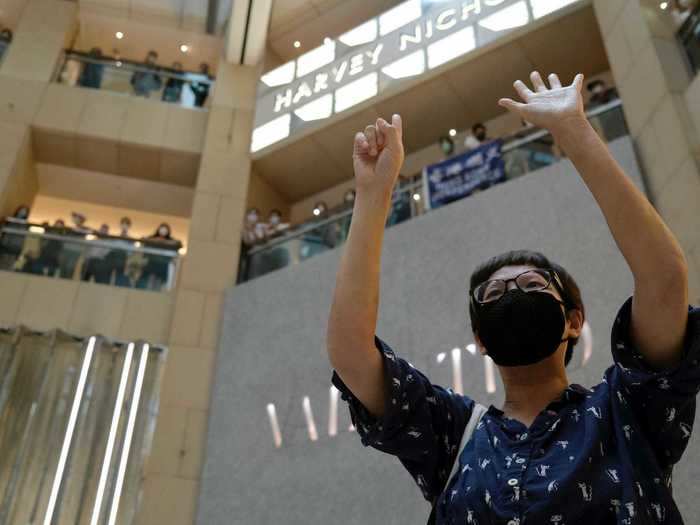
[[657, 94], [209, 268]]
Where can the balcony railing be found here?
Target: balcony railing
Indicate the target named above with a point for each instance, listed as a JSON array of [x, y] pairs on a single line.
[[523, 152], [184, 88], [65, 254]]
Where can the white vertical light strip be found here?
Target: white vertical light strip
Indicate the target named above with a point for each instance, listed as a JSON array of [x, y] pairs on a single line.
[[490, 376], [333, 411], [311, 426], [587, 336], [276, 434], [48, 517], [457, 370], [128, 435], [118, 406]]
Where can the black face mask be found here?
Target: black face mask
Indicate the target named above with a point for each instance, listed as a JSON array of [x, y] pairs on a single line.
[[521, 328]]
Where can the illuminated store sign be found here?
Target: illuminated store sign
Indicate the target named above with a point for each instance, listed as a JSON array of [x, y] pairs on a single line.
[[414, 37]]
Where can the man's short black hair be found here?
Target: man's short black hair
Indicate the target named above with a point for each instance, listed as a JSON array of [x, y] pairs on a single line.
[[478, 125]]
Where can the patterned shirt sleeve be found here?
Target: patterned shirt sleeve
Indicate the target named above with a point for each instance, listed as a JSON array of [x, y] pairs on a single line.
[[663, 401], [422, 424]]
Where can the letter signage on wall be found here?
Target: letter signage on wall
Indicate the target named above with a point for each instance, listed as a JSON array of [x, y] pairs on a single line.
[[410, 39]]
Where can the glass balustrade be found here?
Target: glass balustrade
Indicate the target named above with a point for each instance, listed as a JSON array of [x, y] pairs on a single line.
[[154, 82], [66, 254], [526, 151]]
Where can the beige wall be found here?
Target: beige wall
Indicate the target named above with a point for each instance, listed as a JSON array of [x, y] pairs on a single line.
[[262, 195], [98, 28], [18, 177], [659, 102]]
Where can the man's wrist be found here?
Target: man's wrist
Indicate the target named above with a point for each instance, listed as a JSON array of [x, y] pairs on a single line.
[[569, 128], [377, 199]]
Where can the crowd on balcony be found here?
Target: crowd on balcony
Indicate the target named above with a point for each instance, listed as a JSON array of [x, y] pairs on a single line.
[[148, 79], [5, 39], [82, 252]]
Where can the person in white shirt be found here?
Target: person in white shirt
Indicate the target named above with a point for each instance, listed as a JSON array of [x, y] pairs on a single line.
[[477, 137], [274, 225]]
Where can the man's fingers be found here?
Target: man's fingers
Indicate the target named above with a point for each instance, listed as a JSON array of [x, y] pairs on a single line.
[[361, 145], [511, 105], [554, 81], [371, 134], [397, 122], [392, 133], [381, 126], [523, 90], [578, 82], [537, 82]]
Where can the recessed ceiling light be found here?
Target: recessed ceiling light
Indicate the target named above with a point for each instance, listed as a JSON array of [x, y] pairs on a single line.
[[184, 48], [453, 132], [297, 44], [663, 5], [119, 35]]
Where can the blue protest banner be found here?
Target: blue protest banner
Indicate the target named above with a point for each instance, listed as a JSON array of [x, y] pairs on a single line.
[[459, 176]]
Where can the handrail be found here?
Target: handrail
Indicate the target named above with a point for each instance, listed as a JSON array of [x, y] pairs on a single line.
[[78, 338], [131, 65], [92, 243]]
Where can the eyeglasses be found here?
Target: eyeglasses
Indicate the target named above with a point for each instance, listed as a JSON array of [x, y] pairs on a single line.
[[529, 281]]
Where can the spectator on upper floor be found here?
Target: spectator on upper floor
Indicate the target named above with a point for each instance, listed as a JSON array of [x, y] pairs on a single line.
[[79, 224], [600, 93], [447, 145], [201, 88], [478, 137], [173, 87], [147, 78], [96, 265], [159, 268], [163, 236], [253, 230], [349, 198], [124, 226], [5, 39], [274, 225], [91, 76], [22, 213], [681, 11]]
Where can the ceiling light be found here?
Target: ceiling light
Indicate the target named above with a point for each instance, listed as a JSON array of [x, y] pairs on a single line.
[[184, 48], [297, 44], [453, 132], [119, 35], [317, 212], [663, 5], [416, 197]]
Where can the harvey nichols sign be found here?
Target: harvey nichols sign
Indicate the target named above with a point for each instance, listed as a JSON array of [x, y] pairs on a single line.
[[414, 37]]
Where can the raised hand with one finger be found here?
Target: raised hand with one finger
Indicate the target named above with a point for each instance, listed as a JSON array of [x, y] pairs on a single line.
[[378, 155]]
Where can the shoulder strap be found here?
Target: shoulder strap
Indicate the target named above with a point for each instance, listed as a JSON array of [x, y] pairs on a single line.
[[477, 413]]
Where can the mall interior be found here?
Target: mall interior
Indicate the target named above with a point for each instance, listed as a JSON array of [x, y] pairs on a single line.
[[176, 183]]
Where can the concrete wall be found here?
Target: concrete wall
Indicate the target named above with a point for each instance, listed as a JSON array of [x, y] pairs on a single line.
[[272, 351]]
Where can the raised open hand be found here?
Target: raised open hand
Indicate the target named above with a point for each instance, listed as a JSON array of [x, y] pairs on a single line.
[[550, 108], [378, 155]]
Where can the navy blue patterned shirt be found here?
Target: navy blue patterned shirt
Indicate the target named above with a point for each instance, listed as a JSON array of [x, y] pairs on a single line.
[[602, 455]]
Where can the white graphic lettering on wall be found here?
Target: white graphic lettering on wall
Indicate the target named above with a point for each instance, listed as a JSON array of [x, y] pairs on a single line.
[[582, 358], [404, 42]]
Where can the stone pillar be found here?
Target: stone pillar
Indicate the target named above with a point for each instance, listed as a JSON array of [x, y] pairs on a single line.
[[209, 268], [655, 87]]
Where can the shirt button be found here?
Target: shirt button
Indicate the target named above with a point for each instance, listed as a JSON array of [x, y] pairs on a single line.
[[512, 482]]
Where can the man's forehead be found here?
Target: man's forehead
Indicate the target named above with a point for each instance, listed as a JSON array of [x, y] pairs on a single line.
[[508, 272]]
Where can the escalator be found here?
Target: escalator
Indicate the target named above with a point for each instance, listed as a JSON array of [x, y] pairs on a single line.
[[77, 417]]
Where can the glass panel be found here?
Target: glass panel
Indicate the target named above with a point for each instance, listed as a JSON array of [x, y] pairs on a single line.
[[67, 254], [185, 88], [524, 152]]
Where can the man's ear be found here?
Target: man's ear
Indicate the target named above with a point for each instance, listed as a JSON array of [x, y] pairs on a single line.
[[479, 344], [575, 318]]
